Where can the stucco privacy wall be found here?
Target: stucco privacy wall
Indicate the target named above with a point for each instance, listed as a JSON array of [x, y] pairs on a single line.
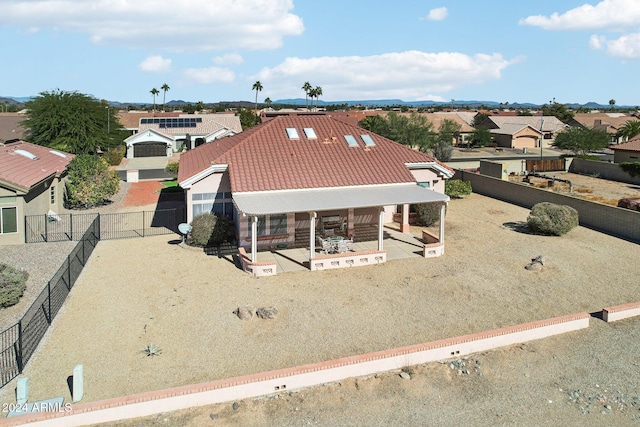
[[619, 222], [288, 379], [604, 170]]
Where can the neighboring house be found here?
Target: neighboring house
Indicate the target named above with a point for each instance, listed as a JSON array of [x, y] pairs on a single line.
[[522, 129], [10, 127], [628, 151], [608, 122], [289, 175], [163, 136], [31, 183]]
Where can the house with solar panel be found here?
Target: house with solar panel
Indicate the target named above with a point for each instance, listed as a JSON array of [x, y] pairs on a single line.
[[163, 136], [312, 182], [31, 183]]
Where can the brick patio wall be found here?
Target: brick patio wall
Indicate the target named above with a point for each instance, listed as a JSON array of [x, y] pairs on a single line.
[[619, 312]]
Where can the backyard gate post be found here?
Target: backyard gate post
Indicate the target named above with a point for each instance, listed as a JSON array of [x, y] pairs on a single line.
[[19, 349]]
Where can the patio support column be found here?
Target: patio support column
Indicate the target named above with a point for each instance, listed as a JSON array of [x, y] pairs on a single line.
[[350, 225], [443, 208], [404, 227], [380, 227], [254, 238], [312, 234]]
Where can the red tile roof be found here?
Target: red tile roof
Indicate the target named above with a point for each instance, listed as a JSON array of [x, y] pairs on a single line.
[[22, 172], [632, 145], [263, 158]]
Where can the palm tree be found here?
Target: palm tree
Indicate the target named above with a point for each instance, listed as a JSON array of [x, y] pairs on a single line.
[[630, 129], [257, 86], [165, 87], [154, 92], [612, 102], [307, 89], [200, 106], [268, 101], [317, 94]]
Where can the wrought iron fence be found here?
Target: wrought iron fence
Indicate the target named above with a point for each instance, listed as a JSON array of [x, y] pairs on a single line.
[[19, 342], [45, 228]]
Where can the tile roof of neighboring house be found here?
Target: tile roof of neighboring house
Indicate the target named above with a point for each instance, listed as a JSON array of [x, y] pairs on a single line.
[[263, 158], [632, 145], [22, 172], [10, 128], [131, 119], [550, 123], [512, 129], [210, 123], [610, 120]]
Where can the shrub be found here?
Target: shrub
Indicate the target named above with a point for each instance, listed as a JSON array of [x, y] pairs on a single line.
[[428, 213], [209, 230], [457, 188], [115, 155], [172, 169], [632, 168], [91, 182], [12, 285], [549, 218]]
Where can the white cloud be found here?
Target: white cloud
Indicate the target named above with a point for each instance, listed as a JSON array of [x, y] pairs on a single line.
[[155, 64], [228, 59], [608, 14], [209, 75], [163, 24], [410, 75], [625, 47], [438, 14]]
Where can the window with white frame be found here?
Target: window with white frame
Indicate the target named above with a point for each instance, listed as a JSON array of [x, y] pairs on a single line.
[[8, 220], [425, 184], [218, 203]]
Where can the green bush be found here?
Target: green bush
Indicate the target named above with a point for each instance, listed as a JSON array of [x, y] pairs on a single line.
[[115, 155], [457, 188], [172, 169], [632, 168], [549, 218], [91, 182], [209, 230], [12, 285], [428, 213]]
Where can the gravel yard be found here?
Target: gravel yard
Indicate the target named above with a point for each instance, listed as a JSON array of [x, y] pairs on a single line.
[[137, 291]]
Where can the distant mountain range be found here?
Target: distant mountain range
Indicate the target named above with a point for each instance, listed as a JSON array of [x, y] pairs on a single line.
[[10, 100]]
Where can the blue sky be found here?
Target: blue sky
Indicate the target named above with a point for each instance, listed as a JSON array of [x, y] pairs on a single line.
[[214, 50]]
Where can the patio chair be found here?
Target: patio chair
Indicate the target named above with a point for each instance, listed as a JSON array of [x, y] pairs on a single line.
[[324, 245], [342, 246]]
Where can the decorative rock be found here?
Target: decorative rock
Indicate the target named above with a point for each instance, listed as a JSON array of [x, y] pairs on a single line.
[[404, 375], [235, 406], [244, 313], [267, 312], [533, 266]]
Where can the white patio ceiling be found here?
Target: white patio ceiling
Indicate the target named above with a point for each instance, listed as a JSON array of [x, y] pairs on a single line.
[[324, 199]]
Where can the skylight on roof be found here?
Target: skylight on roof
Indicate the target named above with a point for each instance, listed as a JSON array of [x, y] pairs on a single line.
[[293, 133], [25, 153], [311, 134], [57, 153], [351, 141], [368, 141]]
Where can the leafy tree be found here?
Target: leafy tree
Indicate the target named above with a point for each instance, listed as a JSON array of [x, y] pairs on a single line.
[[154, 92], [72, 122], [376, 124], [479, 119], [165, 87], [481, 137], [612, 102], [630, 129], [558, 110], [443, 145], [581, 140], [415, 130], [457, 188], [248, 118], [91, 182], [257, 86], [307, 88], [200, 106], [268, 101]]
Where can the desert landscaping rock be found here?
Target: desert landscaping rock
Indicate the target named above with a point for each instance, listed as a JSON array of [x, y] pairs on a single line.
[[244, 313], [267, 312]]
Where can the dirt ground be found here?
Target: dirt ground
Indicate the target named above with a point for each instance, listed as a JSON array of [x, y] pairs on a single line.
[[587, 187], [137, 291]]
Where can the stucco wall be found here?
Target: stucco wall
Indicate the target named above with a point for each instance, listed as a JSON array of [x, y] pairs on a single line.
[[604, 170], [620, 156], [214, 183], [619, 222]]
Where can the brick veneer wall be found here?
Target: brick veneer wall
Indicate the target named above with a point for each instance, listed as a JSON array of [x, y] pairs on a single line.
[[287, 379], [619, 222]]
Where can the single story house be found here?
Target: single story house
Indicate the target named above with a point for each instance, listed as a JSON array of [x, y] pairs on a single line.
[[504, 126], [608, 122], [627, 152], [298, 177], [10, 127], [31, 183], [163, 136]]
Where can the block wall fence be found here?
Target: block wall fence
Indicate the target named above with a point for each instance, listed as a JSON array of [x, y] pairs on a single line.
[[299, 377]]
